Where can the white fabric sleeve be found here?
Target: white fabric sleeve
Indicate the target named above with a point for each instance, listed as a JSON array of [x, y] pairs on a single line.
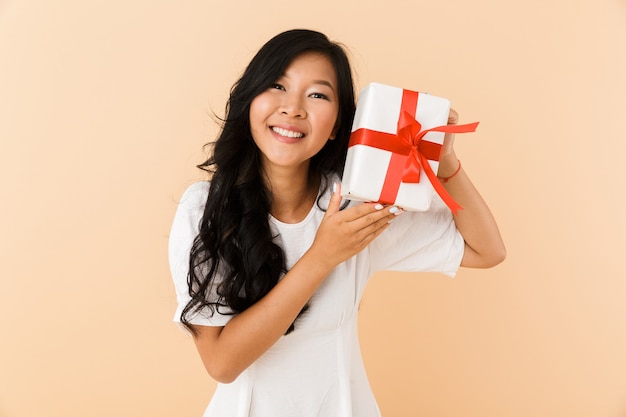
[[184, 230], [420, 242]]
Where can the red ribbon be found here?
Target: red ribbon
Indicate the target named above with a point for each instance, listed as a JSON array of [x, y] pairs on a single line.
[[410, 153]]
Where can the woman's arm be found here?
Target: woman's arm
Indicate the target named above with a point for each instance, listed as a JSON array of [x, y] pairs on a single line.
[[229, 350], [484, 247]]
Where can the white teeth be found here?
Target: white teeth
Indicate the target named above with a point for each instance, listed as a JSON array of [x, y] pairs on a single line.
[[287, 133]]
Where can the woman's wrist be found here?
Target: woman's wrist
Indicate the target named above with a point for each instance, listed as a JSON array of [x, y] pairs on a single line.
[[448, 165], [445, 178]]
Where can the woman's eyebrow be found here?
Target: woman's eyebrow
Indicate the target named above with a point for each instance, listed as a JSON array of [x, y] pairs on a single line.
[[320, 82], [324, 82]]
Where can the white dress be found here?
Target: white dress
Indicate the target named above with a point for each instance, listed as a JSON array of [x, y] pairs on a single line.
[[317, 370]]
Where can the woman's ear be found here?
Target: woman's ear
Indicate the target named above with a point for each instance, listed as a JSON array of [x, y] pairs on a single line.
[[333, 134]]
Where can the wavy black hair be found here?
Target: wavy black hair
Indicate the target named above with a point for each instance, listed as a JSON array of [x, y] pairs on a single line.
[[234, 260]]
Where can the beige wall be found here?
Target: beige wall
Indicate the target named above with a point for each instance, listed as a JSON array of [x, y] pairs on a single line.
[[104, 107]]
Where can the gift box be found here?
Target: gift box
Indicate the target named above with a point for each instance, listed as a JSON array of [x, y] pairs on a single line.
[[394, 149]]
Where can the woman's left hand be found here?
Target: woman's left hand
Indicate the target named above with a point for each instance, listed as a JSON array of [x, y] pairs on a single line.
[[448, 161]]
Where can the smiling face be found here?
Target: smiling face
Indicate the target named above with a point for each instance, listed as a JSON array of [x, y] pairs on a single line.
[[292, 120]]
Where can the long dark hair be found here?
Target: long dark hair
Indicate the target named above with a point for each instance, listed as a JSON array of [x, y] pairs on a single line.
[[234, 261]]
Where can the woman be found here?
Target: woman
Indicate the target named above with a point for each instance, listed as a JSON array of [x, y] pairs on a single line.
[[269, 266]]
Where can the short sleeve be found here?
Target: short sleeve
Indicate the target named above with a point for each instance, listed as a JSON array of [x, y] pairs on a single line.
[[184, 230], [420, 242]]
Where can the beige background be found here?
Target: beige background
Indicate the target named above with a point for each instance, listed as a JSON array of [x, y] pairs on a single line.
[[105, 105]]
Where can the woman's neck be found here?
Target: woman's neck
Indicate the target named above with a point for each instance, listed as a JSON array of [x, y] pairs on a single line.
[[293, 196]]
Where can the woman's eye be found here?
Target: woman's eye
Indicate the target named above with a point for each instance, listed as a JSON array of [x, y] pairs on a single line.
[[319, 95], [277, 86]]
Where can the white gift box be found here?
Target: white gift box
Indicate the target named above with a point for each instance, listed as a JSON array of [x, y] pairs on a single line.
[[366, 175]]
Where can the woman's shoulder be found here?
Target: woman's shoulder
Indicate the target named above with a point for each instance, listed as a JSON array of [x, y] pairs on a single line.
[[195, 195]]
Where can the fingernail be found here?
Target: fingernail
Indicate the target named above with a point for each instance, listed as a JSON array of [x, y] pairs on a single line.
[[378, 206], [390, 221], [395, 210], [334, 187]]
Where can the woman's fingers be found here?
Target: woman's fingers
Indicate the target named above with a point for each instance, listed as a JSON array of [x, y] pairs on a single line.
[[362, 214], [453, 117], [448, 140], [372, 224], [335, 200], [359, 225], [343, 233], [367, 215]]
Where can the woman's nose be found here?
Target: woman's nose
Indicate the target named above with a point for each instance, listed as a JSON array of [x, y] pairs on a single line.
[[292, 106]]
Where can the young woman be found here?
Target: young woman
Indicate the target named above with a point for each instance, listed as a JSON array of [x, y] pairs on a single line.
[[269, 264]]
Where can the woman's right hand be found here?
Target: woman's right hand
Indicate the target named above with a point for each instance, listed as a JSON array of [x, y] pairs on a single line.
[[344, 233]]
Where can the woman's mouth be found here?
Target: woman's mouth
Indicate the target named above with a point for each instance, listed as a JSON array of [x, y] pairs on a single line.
[[287, 133]]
